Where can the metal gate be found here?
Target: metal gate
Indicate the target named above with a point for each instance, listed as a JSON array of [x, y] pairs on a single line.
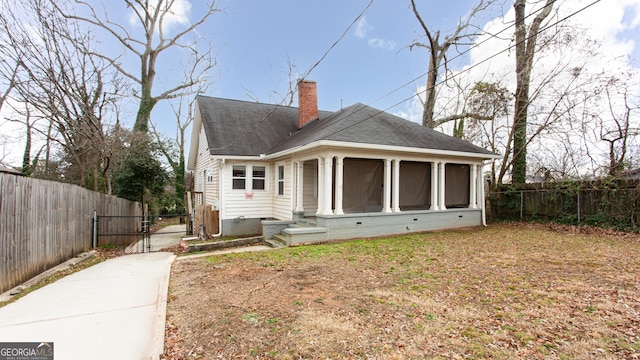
[[136, 234]]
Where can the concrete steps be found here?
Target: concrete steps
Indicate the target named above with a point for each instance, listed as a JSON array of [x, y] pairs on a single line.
[[304, 235], [278, 241]]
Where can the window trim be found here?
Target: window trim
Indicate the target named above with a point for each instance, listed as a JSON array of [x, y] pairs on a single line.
[[249, 177], [279, 180], [234, 177], [263, 178]]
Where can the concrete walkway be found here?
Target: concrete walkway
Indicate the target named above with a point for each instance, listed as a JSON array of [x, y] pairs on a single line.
[[113, 310], [166, 237]]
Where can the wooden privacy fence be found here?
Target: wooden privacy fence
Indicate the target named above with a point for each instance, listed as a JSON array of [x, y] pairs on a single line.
[[205, 215], [44, 223]]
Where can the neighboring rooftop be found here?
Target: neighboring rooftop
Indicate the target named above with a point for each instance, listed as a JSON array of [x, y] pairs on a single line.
[[4, 169]]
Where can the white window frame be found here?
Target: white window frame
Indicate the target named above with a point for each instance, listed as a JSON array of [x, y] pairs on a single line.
[[280, 180], [249, 177], [263, 177], [234, 178]]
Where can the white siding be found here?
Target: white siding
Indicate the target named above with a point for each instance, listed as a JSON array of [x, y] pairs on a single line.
[[205, 163], [237, 203], [283, 204]]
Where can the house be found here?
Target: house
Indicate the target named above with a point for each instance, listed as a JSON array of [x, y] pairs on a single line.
[[304, 175], [4, 169]]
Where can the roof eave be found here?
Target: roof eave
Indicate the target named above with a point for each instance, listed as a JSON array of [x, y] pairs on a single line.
[[238, 157], [195, 137], [353, 145]]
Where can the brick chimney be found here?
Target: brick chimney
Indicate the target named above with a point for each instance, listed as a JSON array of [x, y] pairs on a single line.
[[307, 102]]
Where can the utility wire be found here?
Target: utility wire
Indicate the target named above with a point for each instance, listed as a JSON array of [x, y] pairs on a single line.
[[461, 72], [305, 74], [291, 92], [411, 81], [455, 57], [346, 31]]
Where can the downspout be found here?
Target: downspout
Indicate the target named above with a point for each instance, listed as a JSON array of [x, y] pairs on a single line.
[[220, 200]]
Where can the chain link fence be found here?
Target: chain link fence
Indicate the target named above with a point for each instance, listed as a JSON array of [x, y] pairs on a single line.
[[611, 207]]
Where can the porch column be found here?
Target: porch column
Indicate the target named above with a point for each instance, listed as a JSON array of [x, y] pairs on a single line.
[[441, 182], [328, 172], [396, 185], [480, 186], [434, 186], [387, 186], [320, 180], [299, 186], [339, 184], [473, 183]]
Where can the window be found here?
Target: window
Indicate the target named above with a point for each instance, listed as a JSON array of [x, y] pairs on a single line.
[[281, 180], [209, 175], [259, 174], [256, 175], [239, 177]]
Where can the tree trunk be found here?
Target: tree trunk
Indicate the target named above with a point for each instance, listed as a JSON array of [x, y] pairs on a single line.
[[430, 92], [519, 170], [147, 102], [525, 51], [26, 162]]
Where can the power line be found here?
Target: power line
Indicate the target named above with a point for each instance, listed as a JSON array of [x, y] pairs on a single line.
[[461, 72], [305, 74], [455, 57], [291, 92], [346, 31]]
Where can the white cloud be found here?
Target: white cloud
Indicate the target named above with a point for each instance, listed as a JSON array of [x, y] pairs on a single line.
[[610, 23], [177, 13], [383, 44], [363, 28], [615, 26]]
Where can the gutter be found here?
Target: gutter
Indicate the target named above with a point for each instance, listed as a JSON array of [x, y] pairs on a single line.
[[352, 145]]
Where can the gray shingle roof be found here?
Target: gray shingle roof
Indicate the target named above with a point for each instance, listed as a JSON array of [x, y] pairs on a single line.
[[363, 124], [236, 127]]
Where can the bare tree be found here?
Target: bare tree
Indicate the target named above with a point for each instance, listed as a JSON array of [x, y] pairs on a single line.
[[276, 97], [66, 86], [438, 50], [8, 72], [526, 39], [174, 150], [619, 131], [156, 39]]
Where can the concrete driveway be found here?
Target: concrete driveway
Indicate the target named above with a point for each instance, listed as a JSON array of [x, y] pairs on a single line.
[[113, 310]]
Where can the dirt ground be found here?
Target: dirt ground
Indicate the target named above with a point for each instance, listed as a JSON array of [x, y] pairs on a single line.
[[502, 292]]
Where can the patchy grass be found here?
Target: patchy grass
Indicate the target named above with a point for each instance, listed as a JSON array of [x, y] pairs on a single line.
[[503, 292]]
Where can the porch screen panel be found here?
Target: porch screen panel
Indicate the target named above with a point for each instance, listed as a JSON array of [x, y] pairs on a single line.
[[456, 189], [310, 187], [362, 186], [415, 185]]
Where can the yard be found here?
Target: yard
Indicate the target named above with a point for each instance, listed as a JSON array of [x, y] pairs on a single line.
[[502, 292]]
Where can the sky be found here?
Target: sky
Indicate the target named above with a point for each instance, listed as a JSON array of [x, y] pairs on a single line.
[[257, 38], [253, 41]]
